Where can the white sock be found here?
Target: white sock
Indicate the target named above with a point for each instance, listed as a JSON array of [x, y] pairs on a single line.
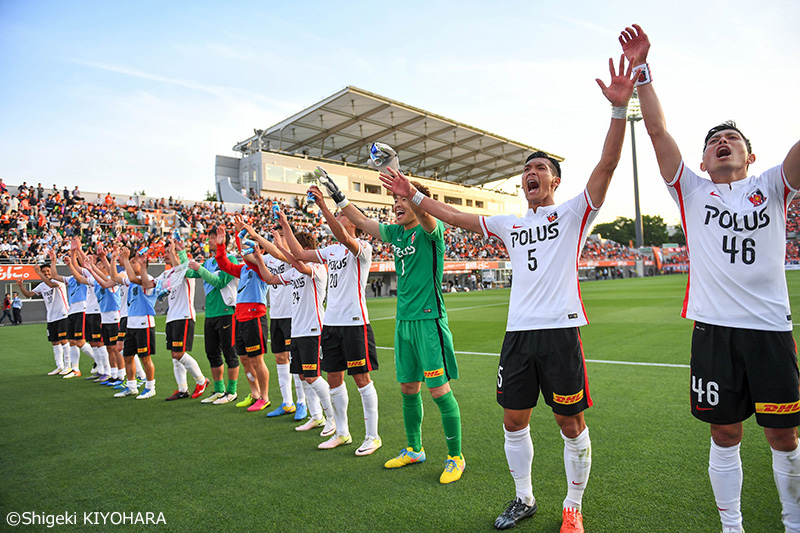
[[786, 470], [139, 370], [131, 384], [323, 391], [87, 349], [725, 472], [519, 455], [299, 389], [75, 357], [314, 408], [578, 464], [58, 354], [339, 401], [113, 372], [180, 375], [193, 368], [285, 383], [369, 400], [101, 358], [150, 384], [66, 350]]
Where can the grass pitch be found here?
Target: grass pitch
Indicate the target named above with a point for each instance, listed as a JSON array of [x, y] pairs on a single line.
[[68, 446]]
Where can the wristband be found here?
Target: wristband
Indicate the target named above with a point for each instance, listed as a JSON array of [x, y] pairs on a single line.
[[417, 198], [620, 112], [344, 202], [643, 77]]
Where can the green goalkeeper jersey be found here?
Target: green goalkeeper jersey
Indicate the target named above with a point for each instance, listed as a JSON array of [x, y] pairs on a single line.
[[419, 262]]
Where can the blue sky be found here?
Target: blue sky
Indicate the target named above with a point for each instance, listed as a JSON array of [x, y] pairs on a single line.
[[122, 96]]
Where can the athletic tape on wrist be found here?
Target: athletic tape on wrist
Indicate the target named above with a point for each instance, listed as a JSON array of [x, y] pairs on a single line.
[[344, 202], [644, 77], [620, 112], [417, 198]]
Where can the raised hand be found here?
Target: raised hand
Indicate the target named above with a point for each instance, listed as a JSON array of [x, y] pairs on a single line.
[[124, 253], [238, 223], [396, 182], [318, 197], [622, 83], [220, 236], [635, 44], [194, 265]]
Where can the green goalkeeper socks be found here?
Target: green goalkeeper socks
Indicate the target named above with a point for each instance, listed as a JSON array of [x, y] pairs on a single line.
[[451, 422], [412, 420]]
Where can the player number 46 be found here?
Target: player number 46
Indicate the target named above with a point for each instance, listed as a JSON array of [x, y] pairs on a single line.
[[711, 391], [748, 249]]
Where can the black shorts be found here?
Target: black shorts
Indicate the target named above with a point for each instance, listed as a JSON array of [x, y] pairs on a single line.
[[737, 372], [93, 328], [280, 334], [75, 326], [141, 342], [251, 337], [550, 360], [305, 356], [350, 348], [220, 332], [123, 327], [109, 333], [180, 335], [57, 331]]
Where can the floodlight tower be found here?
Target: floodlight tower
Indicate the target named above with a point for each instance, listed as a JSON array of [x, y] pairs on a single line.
[[635, 115]]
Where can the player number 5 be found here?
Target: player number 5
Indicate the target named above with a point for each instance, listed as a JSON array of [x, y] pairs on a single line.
[[499, 377], [532, 263]]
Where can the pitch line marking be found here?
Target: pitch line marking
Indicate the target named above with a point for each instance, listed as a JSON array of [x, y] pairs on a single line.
[[448, 311], [634, 363]]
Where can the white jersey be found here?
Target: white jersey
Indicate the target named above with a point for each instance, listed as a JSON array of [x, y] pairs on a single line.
[[736, 236], [308, 293], [92, 305], [55, 300], [347, 282], [280, 296], [181, 296], [544, 247], [123, 294]]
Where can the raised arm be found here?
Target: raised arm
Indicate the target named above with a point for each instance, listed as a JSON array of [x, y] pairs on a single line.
[[358, 218], [271, 249], [54, 275], [293, 244], [115, 276], [73, 267], [636, 44], [263, 271], [291, 259], [618, 93], [125, 257], [401, 186], [222, 259], [338, 230], [791, 166], [99, 275], [26, 292], [46, 280]]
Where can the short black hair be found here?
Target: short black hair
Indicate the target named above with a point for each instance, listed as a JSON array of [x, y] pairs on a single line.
[[554, 162], [727, 125]]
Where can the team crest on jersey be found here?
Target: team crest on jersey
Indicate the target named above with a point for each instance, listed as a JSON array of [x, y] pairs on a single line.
[[757, 198], [552, 216]]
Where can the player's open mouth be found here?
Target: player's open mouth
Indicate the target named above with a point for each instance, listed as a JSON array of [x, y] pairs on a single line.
[[533, 185], [723, 151], [398, 212]]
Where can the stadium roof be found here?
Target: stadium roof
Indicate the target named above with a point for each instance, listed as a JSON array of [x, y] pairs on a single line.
[[342, 126]]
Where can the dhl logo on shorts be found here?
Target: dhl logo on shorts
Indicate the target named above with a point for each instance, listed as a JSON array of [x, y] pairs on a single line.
[[354, 364], [177, 344], [568, 400], [121, 336], [309, 367], [249, 349], [142, 350], [96, 336], [62, 334], [434, 373], [287, 342], [778, 408], [112, 339]]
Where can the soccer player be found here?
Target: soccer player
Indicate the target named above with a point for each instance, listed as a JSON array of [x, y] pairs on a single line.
[[251, 318], [76, 317], [280, 330], [140, 337], [348, 342], [181, 318], [423, 342], [744, 359], [220, 289], [54, 295], [542, 349], [309, 284], [92, 330]]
